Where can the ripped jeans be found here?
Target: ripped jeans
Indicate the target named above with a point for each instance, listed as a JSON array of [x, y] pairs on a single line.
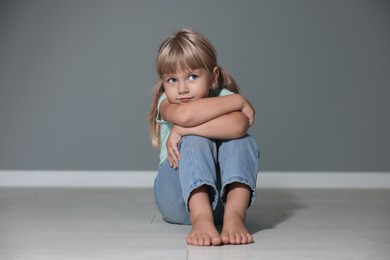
[[205, 161]]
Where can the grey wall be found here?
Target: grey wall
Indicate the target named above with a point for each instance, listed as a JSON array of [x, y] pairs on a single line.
[[75, 79]]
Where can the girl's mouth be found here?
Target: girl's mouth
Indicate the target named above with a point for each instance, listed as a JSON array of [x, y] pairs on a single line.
[[185, 99]]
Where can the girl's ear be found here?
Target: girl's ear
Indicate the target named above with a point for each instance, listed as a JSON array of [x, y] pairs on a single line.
[[214, 77]]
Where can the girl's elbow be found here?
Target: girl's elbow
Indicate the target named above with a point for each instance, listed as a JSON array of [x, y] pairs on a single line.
[[183, 119], [242, 128], [242, 131]]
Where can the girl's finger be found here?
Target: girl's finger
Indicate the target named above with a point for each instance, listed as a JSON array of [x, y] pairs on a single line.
[[170, 161], [175, 162], [177, 153], [172, 158]]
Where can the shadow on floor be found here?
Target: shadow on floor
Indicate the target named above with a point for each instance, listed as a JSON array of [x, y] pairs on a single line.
[[271, 207]]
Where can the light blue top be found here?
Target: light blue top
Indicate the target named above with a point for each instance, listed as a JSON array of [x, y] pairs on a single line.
[[165, 126]]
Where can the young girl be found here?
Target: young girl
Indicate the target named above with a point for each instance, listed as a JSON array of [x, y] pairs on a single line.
[[208, 163]]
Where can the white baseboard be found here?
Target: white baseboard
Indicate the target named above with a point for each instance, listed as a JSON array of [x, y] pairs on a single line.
[[127, 179]]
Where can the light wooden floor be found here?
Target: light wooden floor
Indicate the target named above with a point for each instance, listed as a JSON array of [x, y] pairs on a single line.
[[125, 224]]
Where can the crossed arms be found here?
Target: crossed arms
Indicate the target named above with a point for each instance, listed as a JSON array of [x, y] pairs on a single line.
[[226, 117]]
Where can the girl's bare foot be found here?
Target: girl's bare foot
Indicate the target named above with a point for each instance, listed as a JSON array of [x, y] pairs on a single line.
[[234, 231], [203, 233]]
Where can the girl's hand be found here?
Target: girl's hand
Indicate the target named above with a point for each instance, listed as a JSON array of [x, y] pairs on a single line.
[[249, 111], [172, 148]]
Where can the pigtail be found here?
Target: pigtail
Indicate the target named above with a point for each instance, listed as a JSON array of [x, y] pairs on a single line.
[[154, 127], [225, 80]]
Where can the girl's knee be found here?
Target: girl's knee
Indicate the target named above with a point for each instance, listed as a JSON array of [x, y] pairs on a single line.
[[196, 140], [197, 144], [248, 141], [244, 145]]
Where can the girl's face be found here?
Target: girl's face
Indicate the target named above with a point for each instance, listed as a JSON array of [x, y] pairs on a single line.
[[186, 86]]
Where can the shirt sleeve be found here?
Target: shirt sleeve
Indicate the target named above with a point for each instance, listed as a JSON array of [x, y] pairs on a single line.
[[161, 99], [225, 92]]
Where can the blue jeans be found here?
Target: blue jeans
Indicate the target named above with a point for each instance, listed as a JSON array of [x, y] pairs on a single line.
[[204, 161]]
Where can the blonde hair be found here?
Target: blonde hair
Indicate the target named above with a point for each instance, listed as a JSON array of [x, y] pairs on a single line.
[[185, 50]]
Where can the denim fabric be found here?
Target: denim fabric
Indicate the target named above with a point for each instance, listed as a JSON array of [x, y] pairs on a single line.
[[205, 161]]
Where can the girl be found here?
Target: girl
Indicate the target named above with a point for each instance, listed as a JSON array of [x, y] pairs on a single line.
[[208, 163]]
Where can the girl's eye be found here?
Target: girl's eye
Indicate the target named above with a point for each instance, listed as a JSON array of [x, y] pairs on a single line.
[[192, 77], [171, 80]]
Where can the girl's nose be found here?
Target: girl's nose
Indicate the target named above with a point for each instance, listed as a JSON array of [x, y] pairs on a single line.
[[183, 89]]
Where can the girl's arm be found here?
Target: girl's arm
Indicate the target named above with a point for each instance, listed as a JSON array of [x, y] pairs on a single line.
[[203, 110], [229, 126]]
